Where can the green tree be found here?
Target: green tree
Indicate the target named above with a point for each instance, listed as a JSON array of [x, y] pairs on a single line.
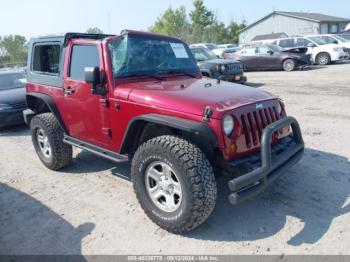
[[232, 30], [201, 18], [15, 47], [173, 23], [215, 33], [202, 26], [94, 30]]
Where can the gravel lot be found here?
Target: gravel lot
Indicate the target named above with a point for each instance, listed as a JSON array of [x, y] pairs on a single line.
[[90, 207]]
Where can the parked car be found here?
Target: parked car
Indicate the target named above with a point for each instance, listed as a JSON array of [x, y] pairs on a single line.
[[228, 46], [214, 67], [141, 96], [321, 52], [265, 57], [338, 40], [12, 97], [212, 47], [345, 36]]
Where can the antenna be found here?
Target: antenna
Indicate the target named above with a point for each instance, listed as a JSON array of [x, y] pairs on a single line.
[[109, 22]]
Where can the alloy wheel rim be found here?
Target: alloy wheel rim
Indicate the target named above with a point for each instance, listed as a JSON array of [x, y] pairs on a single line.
[[163, 186], [289, 65], [323, 59], [44, 143]]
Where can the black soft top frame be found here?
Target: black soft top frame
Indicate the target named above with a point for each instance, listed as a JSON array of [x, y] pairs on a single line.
[[69, 36]]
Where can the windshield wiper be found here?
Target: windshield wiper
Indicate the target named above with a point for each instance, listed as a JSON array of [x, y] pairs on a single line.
[[178, 72], [155, 76]]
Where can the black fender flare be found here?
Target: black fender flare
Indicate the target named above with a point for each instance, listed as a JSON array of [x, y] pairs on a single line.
[[49, 102], [207, 71], [199, 131]]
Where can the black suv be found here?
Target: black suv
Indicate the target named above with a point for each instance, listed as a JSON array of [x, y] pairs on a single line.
[[214, 67]]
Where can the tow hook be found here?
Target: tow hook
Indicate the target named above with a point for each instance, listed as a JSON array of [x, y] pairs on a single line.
[[207, 113]]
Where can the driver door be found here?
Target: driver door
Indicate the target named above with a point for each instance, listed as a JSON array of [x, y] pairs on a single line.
[[85, 114], [268, 59]]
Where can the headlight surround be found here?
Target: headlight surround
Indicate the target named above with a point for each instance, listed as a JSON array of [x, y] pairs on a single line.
[[280, 107], [5, 107], [228, 124]]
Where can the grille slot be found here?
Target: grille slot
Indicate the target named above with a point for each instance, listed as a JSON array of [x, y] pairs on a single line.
[[233, 67], [254, 123]]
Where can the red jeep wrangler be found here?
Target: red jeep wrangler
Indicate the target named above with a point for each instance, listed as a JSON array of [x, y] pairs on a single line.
[[141, 96]]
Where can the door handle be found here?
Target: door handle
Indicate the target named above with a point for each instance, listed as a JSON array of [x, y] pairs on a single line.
[[69, 91]]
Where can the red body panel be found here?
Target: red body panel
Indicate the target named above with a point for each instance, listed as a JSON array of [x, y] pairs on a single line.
[[87, 117]]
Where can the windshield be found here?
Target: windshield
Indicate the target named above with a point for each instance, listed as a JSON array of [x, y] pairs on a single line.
[[318, 40], [347, 37], [11, 81], [201, 54], [340, 38], [275, 48], [134, 55]]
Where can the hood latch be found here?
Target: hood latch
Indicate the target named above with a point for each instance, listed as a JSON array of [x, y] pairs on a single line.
[[208, 112]]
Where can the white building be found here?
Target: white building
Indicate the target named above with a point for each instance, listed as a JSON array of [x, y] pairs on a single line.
[[293, 23]]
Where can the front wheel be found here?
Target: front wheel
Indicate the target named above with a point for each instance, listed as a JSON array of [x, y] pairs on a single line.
[[289, 65], [323, 59], [174, 183]]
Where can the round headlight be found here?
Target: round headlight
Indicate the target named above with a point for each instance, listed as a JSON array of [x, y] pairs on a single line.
[[223, 68], [228, 125]]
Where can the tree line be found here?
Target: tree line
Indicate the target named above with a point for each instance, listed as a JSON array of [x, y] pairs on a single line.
[[13, 50], [200, 25]]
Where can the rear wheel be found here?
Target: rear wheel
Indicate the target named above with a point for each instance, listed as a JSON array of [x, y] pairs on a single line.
[[174, 183], [323, 59], [289, 65], [47, 137]]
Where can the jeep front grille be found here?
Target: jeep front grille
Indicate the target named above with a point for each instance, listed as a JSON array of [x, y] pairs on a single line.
[[233, 67], [254, 123]]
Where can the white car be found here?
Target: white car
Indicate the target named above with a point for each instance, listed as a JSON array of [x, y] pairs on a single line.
[[227, 46], [321, 52], [345, 36], [212, 47], [337, 39]]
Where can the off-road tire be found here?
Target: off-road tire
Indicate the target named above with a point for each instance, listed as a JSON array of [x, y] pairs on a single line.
[[323, 59], [195, 174], [289, 65], [61, 153]]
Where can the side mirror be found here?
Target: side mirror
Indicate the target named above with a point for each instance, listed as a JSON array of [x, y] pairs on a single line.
[[93, 77], [335, 42], [311, 45], [270, 52]]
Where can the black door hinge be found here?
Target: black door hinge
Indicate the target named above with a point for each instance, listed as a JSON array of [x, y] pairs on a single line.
[[207, 113]]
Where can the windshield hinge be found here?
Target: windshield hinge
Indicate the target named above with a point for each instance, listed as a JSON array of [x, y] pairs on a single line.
[[207, 113]]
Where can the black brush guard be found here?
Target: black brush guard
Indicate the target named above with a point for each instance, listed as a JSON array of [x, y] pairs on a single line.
[[273, 164]]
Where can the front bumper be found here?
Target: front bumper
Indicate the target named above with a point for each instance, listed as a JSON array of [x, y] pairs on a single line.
[[275, 161], [11, 117], [336, 56], [239, 78]]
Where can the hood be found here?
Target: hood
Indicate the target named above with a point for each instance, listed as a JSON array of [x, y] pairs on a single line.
[[219, 62], [12, 95], [192, 96]]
